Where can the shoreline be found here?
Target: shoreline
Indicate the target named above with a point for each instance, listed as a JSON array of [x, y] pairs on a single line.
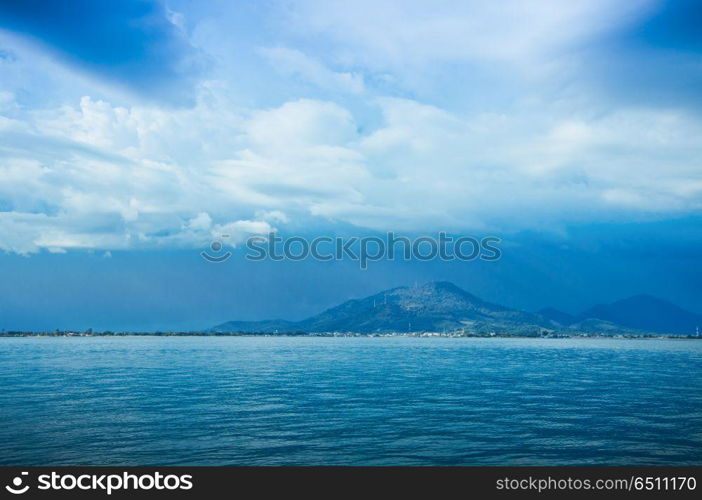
[[355, 335]]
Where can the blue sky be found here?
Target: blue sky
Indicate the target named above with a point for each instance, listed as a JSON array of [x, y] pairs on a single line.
[[132, 133]]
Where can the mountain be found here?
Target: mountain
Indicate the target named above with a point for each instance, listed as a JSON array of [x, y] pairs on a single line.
[[434, 306], [265, 326], [647, 313], [442, 306]]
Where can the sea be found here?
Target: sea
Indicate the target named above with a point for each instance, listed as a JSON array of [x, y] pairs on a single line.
[[349, 401]]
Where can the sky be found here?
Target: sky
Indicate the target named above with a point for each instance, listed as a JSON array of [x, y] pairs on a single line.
[[134, 133]]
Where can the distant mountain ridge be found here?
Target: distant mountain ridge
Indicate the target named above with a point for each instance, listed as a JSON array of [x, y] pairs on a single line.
[[443, 306], [557, 316], [644, 312]]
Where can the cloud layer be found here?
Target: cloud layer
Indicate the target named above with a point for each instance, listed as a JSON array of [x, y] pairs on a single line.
[[459, 116]]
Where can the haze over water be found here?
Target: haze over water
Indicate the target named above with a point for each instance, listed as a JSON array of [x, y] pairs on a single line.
[[353, 401]]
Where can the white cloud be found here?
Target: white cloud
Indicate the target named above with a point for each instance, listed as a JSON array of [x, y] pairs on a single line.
[[301, 124], [382, 32], [291, 62], [104, 177]]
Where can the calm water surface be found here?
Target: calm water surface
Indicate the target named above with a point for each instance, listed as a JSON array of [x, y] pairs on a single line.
[[356, 401]]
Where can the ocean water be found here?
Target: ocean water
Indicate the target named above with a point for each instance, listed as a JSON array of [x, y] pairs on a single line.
[[350, 401]]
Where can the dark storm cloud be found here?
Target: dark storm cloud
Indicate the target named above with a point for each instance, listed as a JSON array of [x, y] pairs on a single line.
[[656, 61], [129, 42]]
